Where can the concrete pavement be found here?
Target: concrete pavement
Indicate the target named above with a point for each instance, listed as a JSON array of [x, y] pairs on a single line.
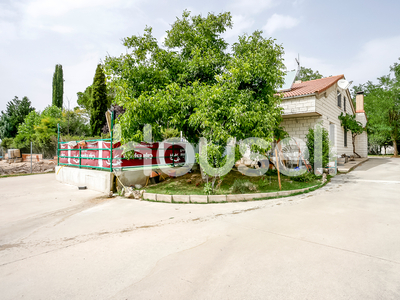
[[339, 242]]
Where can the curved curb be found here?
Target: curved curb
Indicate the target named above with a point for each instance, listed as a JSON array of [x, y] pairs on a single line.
[[221, 198]]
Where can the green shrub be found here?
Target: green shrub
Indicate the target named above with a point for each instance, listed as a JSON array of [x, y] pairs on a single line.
[[304, 177], [263, 182], [326, 148], [243, 186], [7, 143], [208, 190]]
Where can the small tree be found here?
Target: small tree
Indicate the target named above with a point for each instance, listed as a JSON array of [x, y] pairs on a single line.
[[313, 156], [99, 103], [306, 74], [349, 122], [58, 86], [85, 99], [15, 113]]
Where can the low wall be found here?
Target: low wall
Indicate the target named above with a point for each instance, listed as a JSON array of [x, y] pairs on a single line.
[[220, 198], [100, 181]]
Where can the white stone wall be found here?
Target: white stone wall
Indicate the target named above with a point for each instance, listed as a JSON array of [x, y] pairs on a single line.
[[298, 127], [362, 139], [298, 105], [328, 108]]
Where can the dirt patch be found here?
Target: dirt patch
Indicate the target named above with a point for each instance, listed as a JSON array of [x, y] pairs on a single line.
[[99, 199], [15, 168], [9, 246]]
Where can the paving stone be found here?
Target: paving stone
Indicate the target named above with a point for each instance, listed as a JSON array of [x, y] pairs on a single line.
[[164, 198], [198, 199], [216, 198], [181, 198], [250, 196], [150, 196], [234, 198], [285, 193]]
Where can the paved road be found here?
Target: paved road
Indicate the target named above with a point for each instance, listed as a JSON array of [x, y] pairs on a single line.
[[340, 242]]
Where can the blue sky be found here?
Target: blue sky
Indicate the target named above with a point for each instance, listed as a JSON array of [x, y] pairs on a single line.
[[359, 39]]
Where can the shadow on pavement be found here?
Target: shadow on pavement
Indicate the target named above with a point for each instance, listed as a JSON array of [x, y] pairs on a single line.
[[372, 163]]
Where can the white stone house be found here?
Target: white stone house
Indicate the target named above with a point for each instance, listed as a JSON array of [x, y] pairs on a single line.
[[321, 101]]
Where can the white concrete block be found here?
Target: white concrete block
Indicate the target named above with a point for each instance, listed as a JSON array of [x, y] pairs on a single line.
[[234, 198], [181, 198], [150, 196], [164, 198], [217, 198], [198, 198], [101, 181]]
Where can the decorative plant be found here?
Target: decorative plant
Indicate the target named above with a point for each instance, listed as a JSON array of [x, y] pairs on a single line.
[[313, 156], [349, 122]]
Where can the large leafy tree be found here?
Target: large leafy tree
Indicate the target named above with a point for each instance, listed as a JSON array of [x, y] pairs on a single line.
[[58, 86], [75, 122], [26, 130], [41, 129], [15, 113], [382, 106], [85, 99], [194, 85], [99, 104], [307, 74]]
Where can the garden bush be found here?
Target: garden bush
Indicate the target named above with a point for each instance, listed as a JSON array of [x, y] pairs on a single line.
[[243, 186]]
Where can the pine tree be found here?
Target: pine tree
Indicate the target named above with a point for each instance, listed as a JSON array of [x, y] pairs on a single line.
[[58, 86], [99, 104]]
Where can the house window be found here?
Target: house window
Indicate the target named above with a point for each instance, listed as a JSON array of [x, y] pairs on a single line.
[[345, 137], [339, 99], [344, 104], [332, 134]]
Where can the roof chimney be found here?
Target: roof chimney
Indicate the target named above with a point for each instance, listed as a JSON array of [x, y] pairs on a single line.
[[360, 102]]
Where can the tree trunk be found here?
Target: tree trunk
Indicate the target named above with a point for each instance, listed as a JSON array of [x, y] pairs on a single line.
[[396, 153], [353, 137]]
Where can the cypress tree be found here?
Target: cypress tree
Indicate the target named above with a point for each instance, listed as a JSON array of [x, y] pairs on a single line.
[[99, 104], [58, 87]]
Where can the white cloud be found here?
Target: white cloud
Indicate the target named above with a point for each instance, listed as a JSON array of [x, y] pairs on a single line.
[[277, 22], [317, 64], [297, 3], [240, 26], [7, 31], [61, 29], [40, 8], [374, 59], [252, 6]]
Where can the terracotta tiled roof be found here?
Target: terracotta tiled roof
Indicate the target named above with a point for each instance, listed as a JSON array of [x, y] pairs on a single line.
[[312, 86]]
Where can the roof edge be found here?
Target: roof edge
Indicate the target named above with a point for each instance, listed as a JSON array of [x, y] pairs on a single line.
[[328, 86]]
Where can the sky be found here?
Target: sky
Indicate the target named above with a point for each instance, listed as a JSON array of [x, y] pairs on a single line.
[[359, 39]]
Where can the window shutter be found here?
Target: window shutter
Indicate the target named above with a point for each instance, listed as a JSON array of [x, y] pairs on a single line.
[[339, 99], [345, 137], [344, 103]]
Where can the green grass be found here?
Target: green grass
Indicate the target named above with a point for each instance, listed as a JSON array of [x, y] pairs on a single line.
[[191, 184], [320, 185]]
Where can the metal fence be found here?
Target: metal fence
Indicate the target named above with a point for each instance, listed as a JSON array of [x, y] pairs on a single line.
[[103, 154]]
